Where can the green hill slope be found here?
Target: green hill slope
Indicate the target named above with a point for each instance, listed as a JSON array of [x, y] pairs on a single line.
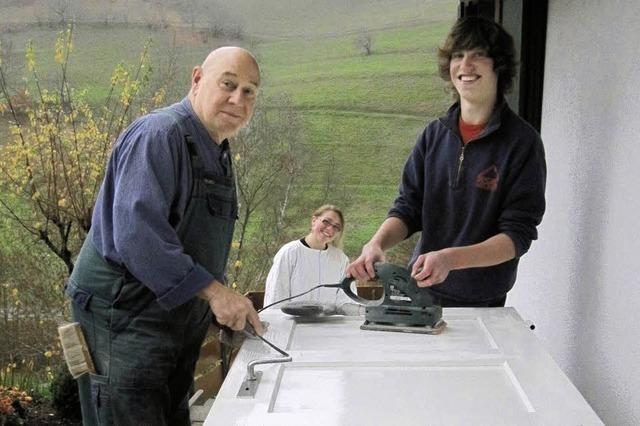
[[360, 114]]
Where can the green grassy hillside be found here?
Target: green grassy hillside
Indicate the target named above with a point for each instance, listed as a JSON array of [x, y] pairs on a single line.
[[360, 114], [320, 18], [270, 19], [363, 112]]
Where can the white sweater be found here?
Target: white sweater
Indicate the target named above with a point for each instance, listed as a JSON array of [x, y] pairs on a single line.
[[297, 268]]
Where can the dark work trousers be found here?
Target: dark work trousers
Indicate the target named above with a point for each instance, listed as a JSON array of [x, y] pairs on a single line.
[[144, 355]]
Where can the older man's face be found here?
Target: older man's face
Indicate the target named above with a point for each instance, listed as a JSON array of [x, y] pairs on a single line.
[[224, 92]]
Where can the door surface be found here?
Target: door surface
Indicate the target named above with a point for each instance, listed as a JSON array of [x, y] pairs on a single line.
[[486, 367]]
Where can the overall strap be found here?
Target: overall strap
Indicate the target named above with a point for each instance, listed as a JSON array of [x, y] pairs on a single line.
[[196, 163], [197, 166]]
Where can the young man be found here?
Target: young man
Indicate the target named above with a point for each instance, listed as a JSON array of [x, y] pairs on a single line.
[[474, 182], [151, 269]]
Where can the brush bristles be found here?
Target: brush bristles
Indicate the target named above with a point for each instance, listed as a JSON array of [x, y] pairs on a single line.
[[75, 350]]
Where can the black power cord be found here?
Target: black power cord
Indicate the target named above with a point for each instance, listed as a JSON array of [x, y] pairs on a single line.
[[339, 285]]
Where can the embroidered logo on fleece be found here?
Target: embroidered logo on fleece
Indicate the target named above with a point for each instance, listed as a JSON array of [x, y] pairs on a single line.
[[488, 179]]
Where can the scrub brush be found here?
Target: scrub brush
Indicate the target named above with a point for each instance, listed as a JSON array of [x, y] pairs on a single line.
[[75, 350]]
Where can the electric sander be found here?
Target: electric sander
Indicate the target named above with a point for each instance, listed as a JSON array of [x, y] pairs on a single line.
[[403, 307]]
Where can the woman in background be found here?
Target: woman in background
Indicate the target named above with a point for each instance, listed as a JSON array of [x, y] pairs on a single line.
[[314, 259]]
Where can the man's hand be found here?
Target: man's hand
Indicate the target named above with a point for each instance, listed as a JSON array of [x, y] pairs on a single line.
[[434, 267], [431, 268], [362, 268], [230, 308], [391, 232]]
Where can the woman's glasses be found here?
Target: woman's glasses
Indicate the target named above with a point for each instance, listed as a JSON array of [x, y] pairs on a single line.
[[335, 226]]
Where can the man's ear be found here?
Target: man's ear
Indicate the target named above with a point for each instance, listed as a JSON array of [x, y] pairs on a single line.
[[196, 75]]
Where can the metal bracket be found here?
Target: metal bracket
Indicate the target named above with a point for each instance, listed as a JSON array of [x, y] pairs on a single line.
[[249, 386]]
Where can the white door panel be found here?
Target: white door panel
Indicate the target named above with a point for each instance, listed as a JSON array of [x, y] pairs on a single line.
[[486, 367]]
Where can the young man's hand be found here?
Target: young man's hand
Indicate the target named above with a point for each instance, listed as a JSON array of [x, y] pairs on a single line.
[[362, 268], [431, 268], [391, 232]]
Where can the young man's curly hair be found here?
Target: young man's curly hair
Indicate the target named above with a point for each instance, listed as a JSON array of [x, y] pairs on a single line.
[[480, 33]]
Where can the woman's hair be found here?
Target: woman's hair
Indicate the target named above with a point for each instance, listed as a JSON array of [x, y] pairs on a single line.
[[479, 33], [337, 242]]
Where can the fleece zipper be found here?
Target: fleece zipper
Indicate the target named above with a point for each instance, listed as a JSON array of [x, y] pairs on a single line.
[[491, 127], [460, 165]]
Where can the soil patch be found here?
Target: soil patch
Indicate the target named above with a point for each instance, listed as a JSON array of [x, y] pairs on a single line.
[[42, 413]]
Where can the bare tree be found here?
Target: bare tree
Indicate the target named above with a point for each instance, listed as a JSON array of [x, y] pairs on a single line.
[[8, 62], [268, 161], [193, 12], [364, 42], [60, 11]]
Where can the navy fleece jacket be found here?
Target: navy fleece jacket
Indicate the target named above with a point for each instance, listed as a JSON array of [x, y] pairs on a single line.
[[459, 195]]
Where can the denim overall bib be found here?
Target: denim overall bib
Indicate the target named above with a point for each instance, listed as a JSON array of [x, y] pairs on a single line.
[[144, 355]]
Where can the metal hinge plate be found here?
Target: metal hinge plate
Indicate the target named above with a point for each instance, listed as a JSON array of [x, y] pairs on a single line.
[[249, 387]]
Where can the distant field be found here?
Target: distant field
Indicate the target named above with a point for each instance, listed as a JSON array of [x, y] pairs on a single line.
[[363, 112], [272, 19], [319, 18]]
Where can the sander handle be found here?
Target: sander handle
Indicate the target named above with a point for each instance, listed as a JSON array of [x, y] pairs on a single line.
[[346, 287]]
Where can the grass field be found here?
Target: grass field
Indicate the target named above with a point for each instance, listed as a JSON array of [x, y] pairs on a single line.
[[359, 113]]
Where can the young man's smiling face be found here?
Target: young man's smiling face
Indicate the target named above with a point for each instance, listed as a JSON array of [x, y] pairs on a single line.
[[473, 76]]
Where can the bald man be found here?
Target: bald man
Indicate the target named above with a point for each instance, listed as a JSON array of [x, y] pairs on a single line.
[[151, 270]]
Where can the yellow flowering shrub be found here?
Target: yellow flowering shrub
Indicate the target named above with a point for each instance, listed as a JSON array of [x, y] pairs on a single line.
[[55, 161]]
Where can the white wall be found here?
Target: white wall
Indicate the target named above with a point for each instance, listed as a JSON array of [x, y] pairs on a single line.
[[580, 283]]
